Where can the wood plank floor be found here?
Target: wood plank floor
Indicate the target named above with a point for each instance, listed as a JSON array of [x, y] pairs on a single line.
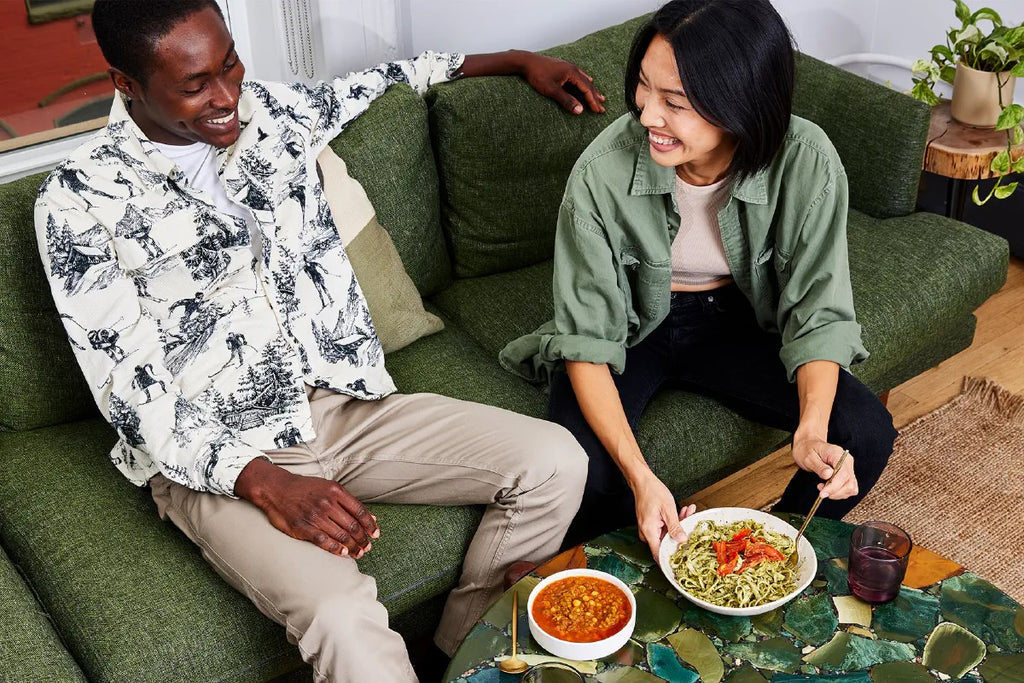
[[997, 354]]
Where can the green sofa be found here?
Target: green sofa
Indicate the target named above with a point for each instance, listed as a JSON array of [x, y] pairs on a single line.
[[468, 180]]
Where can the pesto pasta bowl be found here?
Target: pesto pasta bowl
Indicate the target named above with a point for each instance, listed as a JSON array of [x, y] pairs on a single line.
[[734, 561], [581, 614]]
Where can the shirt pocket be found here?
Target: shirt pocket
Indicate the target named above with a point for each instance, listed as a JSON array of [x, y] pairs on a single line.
[[649, 285]]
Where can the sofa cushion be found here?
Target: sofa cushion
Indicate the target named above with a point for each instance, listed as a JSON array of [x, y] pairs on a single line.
[[40, 383], [388, 150], [30, 650], [880, 134], [914, 278], [503, 174]]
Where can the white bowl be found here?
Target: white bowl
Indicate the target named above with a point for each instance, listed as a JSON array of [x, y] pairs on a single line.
[[582, 651], [805, 571]]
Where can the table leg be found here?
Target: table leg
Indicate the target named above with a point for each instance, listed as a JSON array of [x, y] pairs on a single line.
[[956, 198]]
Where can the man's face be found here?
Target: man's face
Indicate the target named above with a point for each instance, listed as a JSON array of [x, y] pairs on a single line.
[[193, 87]]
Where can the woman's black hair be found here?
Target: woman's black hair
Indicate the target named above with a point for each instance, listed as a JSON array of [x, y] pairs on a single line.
[[736, 64], [128, 30]]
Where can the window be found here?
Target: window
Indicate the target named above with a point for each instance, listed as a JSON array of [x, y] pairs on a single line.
[[53, 79]]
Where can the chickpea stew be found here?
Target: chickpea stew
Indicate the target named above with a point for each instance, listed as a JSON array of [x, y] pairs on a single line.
[[581, 609]]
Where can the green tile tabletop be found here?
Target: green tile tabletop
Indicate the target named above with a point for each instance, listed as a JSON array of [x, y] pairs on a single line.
[[946, 624]]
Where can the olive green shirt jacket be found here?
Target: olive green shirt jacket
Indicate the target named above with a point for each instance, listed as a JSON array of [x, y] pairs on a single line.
[[784, 231]]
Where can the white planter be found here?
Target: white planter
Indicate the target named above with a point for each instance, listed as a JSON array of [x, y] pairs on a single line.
[[976, 96]]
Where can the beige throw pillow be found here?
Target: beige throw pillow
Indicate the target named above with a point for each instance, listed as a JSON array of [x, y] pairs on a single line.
[[394, 302]]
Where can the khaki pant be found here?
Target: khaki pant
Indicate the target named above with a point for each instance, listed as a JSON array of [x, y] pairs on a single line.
[[418, 448]]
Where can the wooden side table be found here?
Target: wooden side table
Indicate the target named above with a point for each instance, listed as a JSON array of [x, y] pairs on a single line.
[[961, 153]]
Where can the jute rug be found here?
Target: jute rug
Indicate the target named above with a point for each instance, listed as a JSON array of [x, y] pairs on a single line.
[[955, 482]]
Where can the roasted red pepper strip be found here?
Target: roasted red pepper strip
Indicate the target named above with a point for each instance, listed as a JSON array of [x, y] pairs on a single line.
[[720, 553], [768, 551], [741, 534]]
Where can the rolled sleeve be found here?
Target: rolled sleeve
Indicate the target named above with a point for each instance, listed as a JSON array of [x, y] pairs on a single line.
[[816, 313]]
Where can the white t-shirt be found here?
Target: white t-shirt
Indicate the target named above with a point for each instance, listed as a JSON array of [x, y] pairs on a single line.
[[698, 255], [198, 162]]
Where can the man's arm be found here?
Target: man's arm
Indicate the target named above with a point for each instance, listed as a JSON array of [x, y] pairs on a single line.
[[133, 389], [335, 104], [546, 75]]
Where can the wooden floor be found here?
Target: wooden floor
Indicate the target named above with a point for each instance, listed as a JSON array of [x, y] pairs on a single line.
[[997, 354]]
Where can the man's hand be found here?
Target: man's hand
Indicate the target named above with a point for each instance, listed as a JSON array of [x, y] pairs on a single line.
[[310, 509], [818, 456], [656, 513], [550, 77]]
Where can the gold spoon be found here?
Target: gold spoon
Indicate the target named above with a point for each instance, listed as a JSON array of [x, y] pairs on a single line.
[[514, 665], [794, 557]]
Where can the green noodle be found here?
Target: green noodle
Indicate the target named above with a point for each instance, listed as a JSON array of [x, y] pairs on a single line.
[[695, 566]]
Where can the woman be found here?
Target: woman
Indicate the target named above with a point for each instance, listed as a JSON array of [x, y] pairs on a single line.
[[701, 244]]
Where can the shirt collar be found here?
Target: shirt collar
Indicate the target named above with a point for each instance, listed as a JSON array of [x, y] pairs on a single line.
[[649, 177], [127, 135]]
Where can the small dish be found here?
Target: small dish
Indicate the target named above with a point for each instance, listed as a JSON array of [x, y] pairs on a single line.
[[806, 569], [581, 651]]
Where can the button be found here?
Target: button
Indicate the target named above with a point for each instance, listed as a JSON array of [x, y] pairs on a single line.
[[711, 297]]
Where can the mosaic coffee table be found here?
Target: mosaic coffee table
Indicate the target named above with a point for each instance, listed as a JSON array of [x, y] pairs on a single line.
[[947, 624]]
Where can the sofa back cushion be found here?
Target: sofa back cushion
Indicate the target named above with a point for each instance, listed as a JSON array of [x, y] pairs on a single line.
[[388, 151], [40, 383], [880, 134], [504, 154]]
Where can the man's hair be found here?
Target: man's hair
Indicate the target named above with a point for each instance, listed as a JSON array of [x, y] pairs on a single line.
[[128, 30], [736, 64]]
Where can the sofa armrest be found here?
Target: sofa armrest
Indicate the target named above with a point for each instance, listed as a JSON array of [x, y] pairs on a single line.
[[880, 134]]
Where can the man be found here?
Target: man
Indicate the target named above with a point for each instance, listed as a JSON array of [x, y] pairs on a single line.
[[264, 463]]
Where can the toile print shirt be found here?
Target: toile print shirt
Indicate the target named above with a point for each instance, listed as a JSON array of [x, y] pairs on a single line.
[[197, 352]]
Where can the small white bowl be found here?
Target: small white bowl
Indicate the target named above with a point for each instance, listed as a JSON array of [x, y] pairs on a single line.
[[806, 568], [582, 651]]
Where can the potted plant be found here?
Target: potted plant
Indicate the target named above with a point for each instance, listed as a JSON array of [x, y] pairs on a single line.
[[969, 57]]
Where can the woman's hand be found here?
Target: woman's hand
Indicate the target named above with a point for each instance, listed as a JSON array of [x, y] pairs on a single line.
[[656, 513], [818, 456], [550, 76]]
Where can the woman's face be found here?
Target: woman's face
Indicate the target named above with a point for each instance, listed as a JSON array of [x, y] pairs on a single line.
[[679, 137]]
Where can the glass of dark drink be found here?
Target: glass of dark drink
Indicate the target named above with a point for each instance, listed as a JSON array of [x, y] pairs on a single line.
[[878, 560]]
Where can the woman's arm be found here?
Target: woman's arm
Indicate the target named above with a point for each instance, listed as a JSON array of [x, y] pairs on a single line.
[[601, 406], [546, 75], [816, 386]]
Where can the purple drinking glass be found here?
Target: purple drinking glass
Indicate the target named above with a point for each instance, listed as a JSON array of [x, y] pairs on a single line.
[[878, 560]]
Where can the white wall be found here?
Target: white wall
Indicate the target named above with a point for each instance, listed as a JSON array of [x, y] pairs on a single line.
[[354, 34]]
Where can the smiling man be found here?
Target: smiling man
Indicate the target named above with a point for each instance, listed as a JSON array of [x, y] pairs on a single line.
[[198, 232]]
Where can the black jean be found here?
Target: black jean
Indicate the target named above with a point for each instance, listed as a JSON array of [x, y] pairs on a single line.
[[711, 344]]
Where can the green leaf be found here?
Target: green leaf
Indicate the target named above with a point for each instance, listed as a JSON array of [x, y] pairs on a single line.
[[997, 51], [1015, 36], [1001, 164], [986, 13], [1004, 191], [921, 66], [963, 13], [976, 198], [1010, 116], [971, 34], [1017, 138], [1018, 167], [948, 73], [922, 91], [1018, 70], [942, 53]]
